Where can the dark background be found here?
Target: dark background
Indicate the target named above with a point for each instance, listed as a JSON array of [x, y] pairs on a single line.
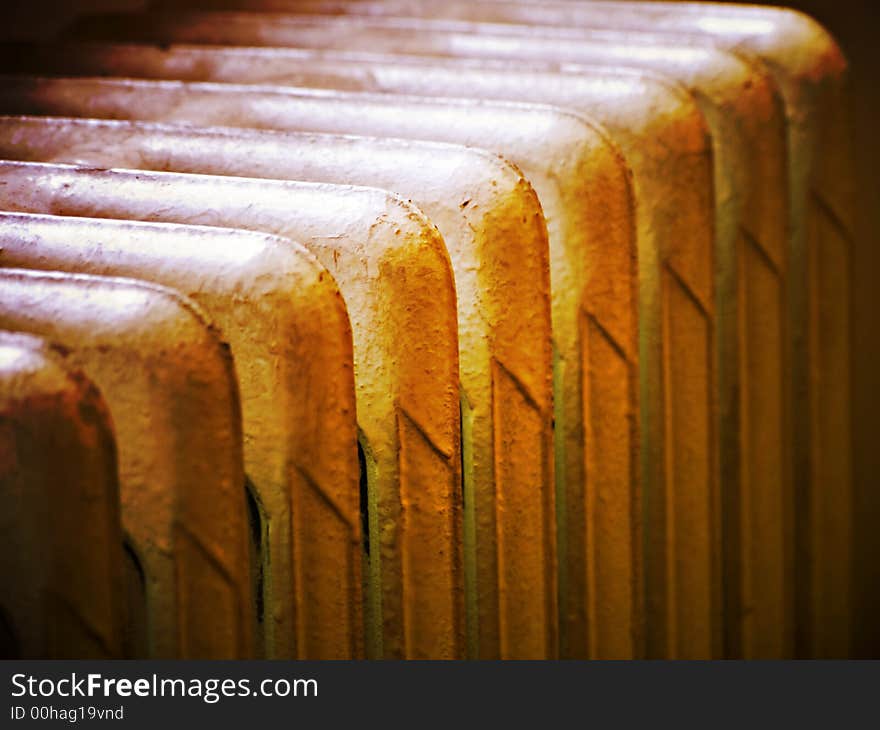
[[855, 24]]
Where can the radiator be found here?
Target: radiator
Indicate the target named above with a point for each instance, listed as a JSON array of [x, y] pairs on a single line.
[[537, 324]]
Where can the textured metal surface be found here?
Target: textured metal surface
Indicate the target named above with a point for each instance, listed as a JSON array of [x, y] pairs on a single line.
[[496, 235], [742, 106], [771, 326], [812, 76], [576, 172], [690, 581], [61, 535], [750, 175], [280, 313], [160, 368], [576, 145], [811, 73], [369, 238]]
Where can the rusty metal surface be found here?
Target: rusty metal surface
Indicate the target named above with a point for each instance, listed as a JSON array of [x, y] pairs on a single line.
[[281, 315], [160, 368], [812, 75], [389, 262], [493, 254], [61, 557]]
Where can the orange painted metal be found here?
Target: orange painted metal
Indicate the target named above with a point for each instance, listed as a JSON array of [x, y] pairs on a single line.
[[161, 368], [575, 170], [499, 223], [357, 231], [751, 276], [811, 73], [276, 307], [672, 593], [61, 557]]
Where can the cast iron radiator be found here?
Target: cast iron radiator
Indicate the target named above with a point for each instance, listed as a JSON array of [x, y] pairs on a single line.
[[403, 329]]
